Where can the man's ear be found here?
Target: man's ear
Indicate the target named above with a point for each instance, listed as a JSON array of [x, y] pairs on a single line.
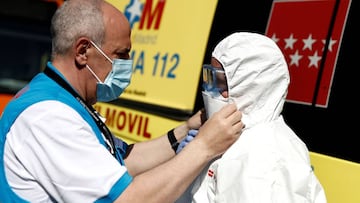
[[81, 47]]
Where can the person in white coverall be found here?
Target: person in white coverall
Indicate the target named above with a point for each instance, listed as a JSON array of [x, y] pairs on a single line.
[[269, 162]]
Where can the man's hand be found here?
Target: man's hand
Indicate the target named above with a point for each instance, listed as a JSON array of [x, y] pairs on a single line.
[[195, 121], [220, 131]]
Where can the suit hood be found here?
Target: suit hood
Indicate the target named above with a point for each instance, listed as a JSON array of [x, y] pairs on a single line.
[[257, 75]]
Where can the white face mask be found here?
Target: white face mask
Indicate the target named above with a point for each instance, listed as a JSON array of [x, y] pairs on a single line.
[[213, 103]]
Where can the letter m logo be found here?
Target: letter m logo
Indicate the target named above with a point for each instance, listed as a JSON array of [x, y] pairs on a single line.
[[152, 17]]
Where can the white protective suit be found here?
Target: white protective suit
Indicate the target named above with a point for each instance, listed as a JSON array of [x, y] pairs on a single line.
[[269, 163]]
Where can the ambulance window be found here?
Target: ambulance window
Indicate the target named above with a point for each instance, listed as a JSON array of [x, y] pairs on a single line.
[[24, 41]]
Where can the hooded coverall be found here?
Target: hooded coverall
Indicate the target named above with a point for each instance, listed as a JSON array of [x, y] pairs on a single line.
[[269, 162]]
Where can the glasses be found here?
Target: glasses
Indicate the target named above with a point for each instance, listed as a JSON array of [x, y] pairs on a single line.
[[214, 79]]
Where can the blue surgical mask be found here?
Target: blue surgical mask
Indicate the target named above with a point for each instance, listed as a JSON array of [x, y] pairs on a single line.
[[116, 81]]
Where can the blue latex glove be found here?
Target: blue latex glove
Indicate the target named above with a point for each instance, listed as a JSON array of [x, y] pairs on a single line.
[[190, 136]]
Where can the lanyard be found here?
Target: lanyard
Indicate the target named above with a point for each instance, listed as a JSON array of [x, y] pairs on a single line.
[[101, 125]]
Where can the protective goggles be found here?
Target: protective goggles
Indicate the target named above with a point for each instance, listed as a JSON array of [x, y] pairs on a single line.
[[214, 79]]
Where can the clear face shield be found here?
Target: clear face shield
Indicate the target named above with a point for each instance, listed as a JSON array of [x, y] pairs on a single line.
[[214, 83]]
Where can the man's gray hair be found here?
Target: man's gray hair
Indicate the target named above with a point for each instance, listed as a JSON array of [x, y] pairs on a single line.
[[75, 19]]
